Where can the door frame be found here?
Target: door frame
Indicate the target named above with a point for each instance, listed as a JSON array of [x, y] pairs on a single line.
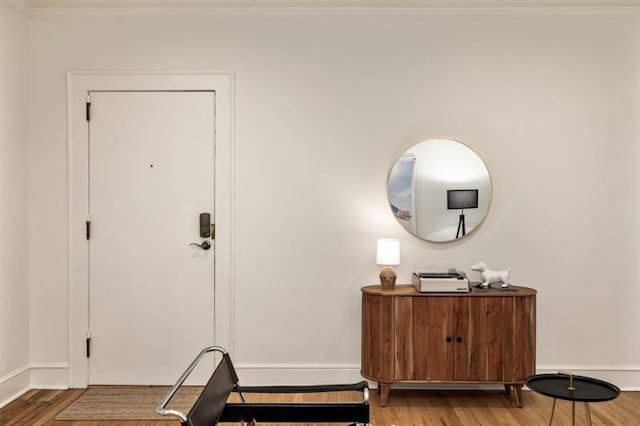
[[79, 83]]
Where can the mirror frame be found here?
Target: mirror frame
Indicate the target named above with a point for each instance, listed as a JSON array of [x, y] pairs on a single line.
[[415, 213]]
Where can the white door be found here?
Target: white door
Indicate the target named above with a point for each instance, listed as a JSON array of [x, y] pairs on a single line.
[[151, 174]]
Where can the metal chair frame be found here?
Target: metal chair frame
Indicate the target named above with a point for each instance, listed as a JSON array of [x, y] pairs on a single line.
[[212, 407]]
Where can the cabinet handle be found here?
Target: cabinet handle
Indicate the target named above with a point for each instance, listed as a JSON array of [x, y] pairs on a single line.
[[449, 339], [459, 339]]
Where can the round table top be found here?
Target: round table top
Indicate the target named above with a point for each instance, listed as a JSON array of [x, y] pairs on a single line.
[[587, 389]]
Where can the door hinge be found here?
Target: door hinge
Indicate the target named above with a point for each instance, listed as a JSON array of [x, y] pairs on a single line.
[[88, 108], [88, 344], [88, 229]]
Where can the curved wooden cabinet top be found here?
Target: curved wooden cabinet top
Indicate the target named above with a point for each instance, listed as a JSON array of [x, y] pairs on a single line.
[[409, 290]]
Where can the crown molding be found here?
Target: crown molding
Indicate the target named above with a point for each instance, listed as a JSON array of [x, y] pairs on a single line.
[[20, 6], [327, 11]]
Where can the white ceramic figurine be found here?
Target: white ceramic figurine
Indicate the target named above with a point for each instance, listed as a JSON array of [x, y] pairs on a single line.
[[489, 276]]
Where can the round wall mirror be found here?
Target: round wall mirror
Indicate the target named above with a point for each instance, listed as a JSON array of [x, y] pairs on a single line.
[[439, 190]]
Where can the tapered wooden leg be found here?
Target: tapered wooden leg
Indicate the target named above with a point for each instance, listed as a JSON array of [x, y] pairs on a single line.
[[507, 388], [384, 393], [518, 394]]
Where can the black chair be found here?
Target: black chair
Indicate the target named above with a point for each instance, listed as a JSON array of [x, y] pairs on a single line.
[[212, 407]]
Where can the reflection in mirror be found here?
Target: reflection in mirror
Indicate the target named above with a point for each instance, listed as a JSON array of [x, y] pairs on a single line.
[[439, 190]]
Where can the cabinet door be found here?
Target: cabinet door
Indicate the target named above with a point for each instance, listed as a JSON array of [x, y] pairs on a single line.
[[484, 339], [424, 330], [377, 338], [524, 338]]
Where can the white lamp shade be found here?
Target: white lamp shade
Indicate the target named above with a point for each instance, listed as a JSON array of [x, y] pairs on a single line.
[[388, 252]]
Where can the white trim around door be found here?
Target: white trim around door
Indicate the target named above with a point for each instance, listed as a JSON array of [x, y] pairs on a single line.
[[79, 83]]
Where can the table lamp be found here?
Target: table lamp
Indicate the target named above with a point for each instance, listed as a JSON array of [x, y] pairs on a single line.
[[388, 254]]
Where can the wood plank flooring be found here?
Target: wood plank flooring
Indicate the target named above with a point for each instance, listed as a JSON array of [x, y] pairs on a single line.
[[405, 408]]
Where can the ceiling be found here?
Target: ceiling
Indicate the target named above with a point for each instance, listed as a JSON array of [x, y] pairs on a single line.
[[330, 3]]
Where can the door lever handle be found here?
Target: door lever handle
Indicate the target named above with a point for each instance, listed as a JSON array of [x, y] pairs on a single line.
[[206, 245]]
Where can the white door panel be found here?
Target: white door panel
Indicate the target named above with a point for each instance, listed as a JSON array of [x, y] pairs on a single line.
[[151, 173]]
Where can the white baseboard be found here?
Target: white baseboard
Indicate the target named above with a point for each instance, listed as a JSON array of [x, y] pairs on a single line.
[[14, 384], [297, 374], [33, 376], [627, 378], [50, 376], [55, 376]]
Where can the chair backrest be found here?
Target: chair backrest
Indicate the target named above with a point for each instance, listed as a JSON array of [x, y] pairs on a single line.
[[209, 406]]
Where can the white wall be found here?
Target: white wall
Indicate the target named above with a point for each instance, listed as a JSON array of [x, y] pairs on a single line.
[[325, 103], [14, 202]]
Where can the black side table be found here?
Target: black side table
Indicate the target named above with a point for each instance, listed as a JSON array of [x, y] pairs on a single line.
[[572, 388]]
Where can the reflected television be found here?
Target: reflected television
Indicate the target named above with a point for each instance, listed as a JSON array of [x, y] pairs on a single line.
[[462, 199]]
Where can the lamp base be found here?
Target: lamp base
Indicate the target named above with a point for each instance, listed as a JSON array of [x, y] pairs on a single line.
[[387, 278]]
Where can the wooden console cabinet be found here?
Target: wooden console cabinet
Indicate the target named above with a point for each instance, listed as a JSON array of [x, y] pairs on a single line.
[[475, 337]]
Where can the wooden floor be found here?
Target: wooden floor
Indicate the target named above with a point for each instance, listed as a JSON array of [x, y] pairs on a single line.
[[490, 408]]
